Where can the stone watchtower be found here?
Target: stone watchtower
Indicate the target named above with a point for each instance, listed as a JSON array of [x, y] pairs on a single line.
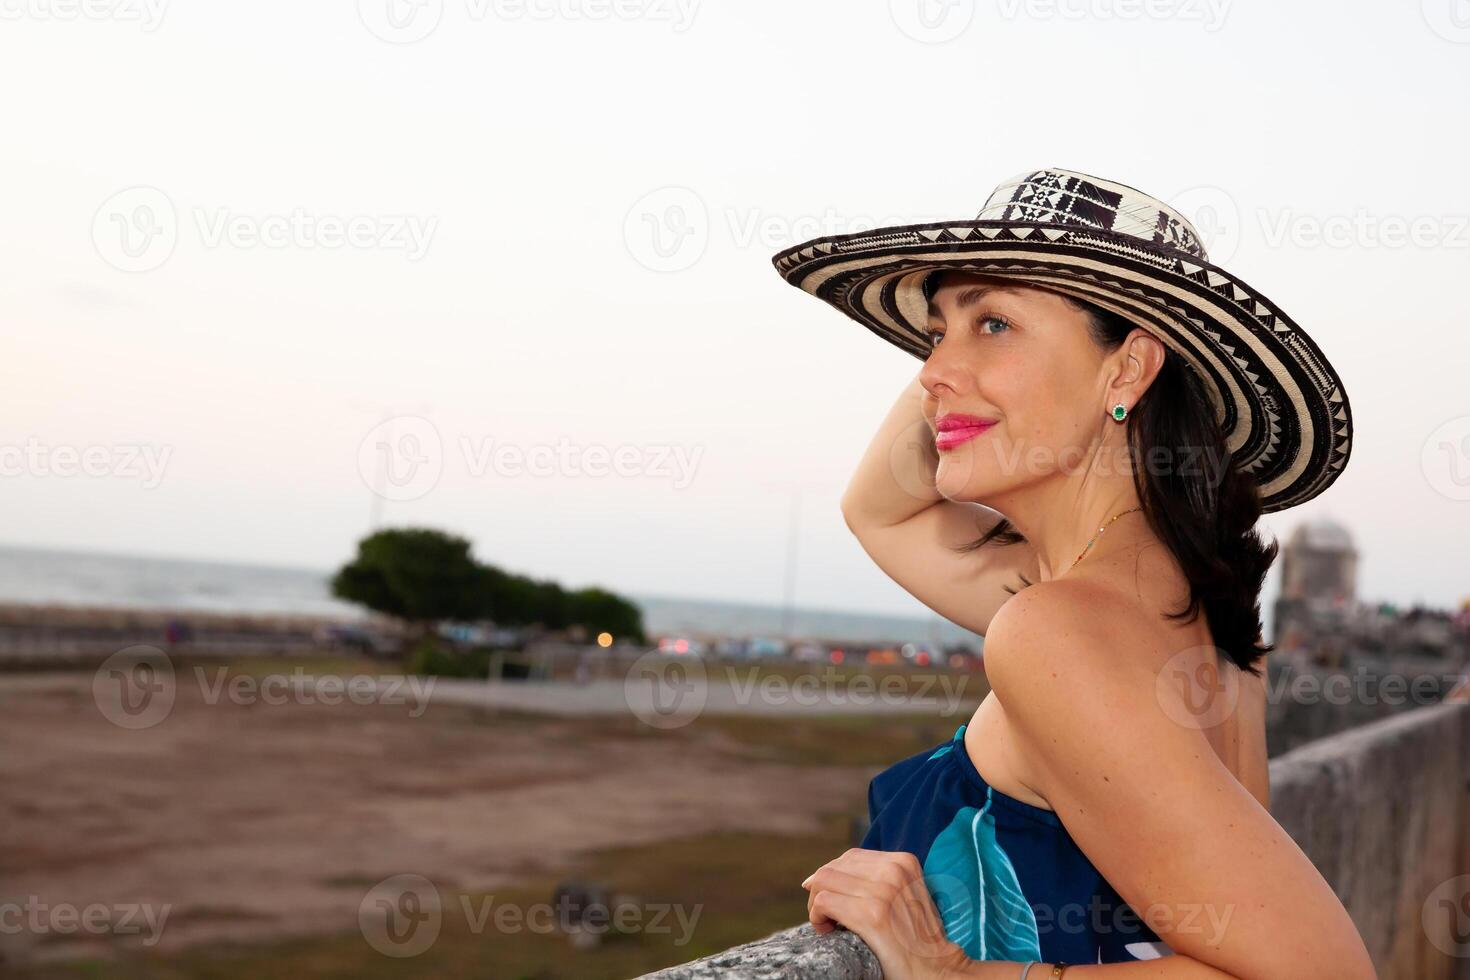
[[1319, 582]]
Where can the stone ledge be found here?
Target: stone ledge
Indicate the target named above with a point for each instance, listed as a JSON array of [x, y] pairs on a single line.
[[799, 953]]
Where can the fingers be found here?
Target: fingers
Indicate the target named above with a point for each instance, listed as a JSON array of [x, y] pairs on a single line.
[[821, 921], [883, 897], [850, 911], [862, 857], [834, 879], [828, 880], [893, 867], [858, 874]]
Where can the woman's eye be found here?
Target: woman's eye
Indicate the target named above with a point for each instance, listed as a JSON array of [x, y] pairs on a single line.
[[934, 336]]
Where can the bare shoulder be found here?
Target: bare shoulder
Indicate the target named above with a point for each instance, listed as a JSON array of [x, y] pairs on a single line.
[[1062, 635], [1063, 661], [1068, 657]]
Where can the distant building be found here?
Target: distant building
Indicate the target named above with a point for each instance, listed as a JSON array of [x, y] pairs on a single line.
[[1319, 581], [1319, 563], [1320, 619]]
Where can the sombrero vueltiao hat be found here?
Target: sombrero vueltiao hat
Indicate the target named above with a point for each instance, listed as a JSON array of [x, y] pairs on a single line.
[[1280, 403]]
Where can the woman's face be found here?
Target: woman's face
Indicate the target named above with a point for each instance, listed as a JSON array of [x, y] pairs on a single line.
[[1020, 358]]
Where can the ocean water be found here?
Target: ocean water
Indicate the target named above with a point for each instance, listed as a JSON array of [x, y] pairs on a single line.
[[77, 578], [74, 578]]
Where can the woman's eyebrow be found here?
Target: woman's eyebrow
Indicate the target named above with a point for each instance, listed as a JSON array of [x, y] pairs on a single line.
[[971, 296]]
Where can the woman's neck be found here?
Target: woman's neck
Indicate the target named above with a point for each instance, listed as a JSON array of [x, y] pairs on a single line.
[[1059, 530]]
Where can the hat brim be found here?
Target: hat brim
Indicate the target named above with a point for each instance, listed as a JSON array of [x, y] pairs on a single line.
[[1280, 403]]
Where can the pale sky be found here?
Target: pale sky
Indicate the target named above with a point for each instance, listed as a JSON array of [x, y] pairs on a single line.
[[238, 237]]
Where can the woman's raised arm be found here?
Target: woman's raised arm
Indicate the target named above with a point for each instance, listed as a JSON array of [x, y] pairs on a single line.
[[910, 530]]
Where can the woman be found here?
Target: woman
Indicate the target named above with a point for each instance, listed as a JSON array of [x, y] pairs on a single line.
[[1076, 473]]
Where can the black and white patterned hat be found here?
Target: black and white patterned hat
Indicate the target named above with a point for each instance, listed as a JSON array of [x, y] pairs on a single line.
[[1280, 403]]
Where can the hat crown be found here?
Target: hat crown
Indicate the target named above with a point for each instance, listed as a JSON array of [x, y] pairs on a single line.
[[1066, 197]]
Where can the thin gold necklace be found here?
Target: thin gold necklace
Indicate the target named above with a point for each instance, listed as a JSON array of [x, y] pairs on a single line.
[[1100, 531]]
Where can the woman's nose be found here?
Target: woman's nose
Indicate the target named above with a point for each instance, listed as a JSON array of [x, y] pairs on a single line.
[[940, 371]]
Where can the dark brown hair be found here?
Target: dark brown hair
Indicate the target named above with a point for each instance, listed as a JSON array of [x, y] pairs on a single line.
[[1200, 504]]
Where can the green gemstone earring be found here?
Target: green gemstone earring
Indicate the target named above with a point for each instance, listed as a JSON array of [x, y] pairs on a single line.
[[1120, 412]]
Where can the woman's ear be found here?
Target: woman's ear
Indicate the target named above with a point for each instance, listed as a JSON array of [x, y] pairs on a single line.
[[1143, 357]]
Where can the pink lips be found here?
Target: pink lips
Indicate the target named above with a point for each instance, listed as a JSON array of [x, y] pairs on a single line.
[[956, 429]]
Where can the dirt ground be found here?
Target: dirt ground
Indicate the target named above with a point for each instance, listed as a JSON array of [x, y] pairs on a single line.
[[260, 821]]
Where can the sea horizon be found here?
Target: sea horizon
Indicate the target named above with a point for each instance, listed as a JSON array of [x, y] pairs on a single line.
[[31, 575]]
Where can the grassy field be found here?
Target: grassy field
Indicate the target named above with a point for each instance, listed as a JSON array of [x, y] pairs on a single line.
[[732, 887], [729, 887]]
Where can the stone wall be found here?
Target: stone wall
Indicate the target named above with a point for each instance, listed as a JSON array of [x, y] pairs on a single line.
[[1382, 810]]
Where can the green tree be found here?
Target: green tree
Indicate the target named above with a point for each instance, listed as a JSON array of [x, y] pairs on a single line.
[[420, 575], [514, 600], [424, 576]]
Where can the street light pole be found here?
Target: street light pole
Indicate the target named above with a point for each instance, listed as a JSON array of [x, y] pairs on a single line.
[[793, 534]]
